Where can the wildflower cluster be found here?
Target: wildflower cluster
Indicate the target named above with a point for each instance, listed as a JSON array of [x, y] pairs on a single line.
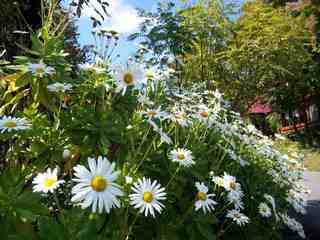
[[132, 146]]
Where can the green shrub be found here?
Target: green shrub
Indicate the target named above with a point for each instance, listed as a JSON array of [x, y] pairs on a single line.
[[143, 160]]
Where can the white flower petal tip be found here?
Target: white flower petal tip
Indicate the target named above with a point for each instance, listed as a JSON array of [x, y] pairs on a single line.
[[147, 196], [182, 156], [40, 70], [204, 200], [47, 181], [8, 124], [59, 87], [96, 186], [237, 217], [125, 76]]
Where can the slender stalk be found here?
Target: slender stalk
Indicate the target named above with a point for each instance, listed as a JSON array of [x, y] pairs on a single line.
[[222, 231], [188, 139], [142, 141], [176, 135], [144, 157], [173, 176], [186, 214], [59, 208], [131, 227]]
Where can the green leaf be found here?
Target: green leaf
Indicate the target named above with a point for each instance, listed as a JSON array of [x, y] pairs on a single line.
[[206, 231], [28, 205], [51, 230]]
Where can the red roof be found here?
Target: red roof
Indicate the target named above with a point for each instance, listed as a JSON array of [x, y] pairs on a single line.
[[259, 107]]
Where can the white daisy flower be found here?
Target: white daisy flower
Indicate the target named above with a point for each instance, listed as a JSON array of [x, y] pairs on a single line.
[[203, 112], [235, 197], [154, 113], [147, 196], [217, 95], [218, 180], [129, 180], [264, 210], [230, 183], [238, 217], [182, 156], [96, 186], [154, 125], [180, 118], [163, 136], [86, 67], [271, 200], [203, 199], [143, 99], [293, 224], [47, 181], [205, 115], [127, 76], [8, 123], [40, 69], [59, 87]]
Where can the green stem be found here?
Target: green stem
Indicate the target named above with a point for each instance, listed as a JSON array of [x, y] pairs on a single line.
[[222, 231], [144, 157], [59, 208], [173, 176], [142, 141], [186, 214], [176, 130], [188, 139], [131, 227]]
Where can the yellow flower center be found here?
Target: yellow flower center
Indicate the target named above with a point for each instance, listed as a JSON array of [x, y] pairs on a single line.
[[128, 78], [181, 156], [204, 114], [201, 196], [152, 113], [98, 183], [180, 116], [232, 185], [220, 182], [10, 124], [147, 197], [60, 88], [237, 215], [40, 70], [149, 74], [48, 182]]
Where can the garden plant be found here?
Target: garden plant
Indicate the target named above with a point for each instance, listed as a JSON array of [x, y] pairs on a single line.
[[108, 151]]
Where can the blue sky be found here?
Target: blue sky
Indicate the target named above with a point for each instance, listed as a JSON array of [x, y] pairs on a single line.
[[123, 18]]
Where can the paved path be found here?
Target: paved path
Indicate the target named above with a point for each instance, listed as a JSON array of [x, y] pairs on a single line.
[[312, 181], [311, 220]]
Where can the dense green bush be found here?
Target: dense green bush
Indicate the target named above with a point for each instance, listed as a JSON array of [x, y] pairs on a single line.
[[111, 153]]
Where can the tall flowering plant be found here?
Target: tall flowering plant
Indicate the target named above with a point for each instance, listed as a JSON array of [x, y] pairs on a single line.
[[122, 154]]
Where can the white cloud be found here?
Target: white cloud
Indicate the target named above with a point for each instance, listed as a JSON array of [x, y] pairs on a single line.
[[124, 17]]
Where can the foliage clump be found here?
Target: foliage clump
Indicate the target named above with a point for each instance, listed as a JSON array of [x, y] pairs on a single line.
[[123, 152]]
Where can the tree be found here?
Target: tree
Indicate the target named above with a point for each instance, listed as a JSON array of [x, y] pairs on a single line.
[[191, 35], [269, 55], [210, 22], [21, 17], [16, 16], [163, 32]]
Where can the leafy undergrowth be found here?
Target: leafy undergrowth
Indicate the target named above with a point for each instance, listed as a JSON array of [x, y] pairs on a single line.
[[311, 154], [113, 151]]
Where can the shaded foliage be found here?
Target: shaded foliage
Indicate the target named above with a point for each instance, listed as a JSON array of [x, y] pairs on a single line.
[[17, 16]]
